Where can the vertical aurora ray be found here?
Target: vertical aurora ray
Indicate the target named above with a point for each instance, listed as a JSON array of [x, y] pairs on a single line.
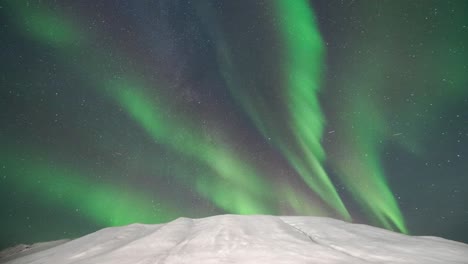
[[395, 94], [361, 170], [297, 129], [359, 142], [303, 60]]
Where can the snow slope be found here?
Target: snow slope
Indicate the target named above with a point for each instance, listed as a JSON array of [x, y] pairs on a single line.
[[249, 239]]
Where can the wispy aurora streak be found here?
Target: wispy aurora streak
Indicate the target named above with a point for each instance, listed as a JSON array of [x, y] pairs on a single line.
[[361, 169], [360, 139], [303, 59], [297, 134]]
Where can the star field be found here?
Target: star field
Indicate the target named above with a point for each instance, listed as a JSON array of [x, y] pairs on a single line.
[[115, 112]]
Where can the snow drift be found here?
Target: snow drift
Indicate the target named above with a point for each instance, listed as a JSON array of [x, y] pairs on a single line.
[[246, 239]]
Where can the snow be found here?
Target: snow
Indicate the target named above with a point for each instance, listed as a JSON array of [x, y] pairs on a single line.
[[247, 239]]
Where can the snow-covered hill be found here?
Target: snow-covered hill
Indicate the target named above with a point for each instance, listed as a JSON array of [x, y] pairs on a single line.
[[248, 239]]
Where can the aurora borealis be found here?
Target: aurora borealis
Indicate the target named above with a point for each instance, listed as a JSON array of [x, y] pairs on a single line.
[[125, 111]]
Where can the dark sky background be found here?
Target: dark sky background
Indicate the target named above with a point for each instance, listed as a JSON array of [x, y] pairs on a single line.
[[114, 112]]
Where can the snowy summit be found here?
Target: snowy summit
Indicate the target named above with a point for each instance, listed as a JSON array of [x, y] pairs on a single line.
[[245, 239]]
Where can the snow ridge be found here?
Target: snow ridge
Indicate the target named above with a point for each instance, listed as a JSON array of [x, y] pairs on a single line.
[[331, 246], [247, 239]]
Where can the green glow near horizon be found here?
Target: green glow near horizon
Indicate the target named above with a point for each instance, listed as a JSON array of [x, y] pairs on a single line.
[[300, 203], [106, 204]]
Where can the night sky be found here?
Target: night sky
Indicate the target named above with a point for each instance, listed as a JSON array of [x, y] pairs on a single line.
[[115, 112]]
